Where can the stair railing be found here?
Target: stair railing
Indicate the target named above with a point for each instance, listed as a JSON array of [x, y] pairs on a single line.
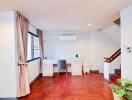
[[108, 61], [113, 57]]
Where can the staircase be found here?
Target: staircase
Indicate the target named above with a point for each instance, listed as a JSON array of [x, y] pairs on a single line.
[[114, 77], [117, 75], [117, 72]]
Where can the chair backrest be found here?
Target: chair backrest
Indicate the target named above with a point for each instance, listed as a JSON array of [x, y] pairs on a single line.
[[61, 64]]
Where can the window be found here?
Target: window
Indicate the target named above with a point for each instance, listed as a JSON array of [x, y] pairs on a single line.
[[36, 47], [33, 51], [29, 53]]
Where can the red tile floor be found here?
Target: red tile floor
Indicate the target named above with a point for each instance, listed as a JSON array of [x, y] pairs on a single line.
[[87, 87]]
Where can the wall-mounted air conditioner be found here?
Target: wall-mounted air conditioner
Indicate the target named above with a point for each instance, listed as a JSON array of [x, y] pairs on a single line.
[[68, 38]]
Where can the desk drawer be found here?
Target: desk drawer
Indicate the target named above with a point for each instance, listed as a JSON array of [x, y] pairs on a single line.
[[47, 70], [76, 70]]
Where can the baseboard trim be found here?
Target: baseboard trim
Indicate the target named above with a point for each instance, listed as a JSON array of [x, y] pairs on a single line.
[[102, 73], [94, 71], [61, 73], [12, 98]]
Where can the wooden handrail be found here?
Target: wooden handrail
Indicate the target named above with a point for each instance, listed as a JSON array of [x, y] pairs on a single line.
[[113, 57]]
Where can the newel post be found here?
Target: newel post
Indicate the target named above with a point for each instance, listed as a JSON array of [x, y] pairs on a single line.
[[106, 70]]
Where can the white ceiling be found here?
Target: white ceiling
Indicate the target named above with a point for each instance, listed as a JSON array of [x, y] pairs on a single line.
[[67, 15]]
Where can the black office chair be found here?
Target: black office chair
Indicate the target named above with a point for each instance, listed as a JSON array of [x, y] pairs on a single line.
[[62, 65]]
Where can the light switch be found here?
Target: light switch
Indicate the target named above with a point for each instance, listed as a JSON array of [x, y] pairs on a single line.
[[128, 49]]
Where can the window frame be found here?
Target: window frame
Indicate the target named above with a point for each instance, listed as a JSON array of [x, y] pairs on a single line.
[[32, 47]]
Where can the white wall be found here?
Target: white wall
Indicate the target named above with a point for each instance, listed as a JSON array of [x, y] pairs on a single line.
[[8, 79], [57, 49], [91, 47], [34, 66], [34, 69], [8, 56], [113, 32], [126, 41], [102, 46], [32, 29]]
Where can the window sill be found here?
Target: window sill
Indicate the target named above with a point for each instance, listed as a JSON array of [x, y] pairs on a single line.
[[33, 59]]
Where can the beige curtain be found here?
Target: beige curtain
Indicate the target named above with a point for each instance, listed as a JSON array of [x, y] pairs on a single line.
[[40, 35], [22, 25]]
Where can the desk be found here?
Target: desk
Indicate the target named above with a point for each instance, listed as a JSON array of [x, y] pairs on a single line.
[[50, 67]]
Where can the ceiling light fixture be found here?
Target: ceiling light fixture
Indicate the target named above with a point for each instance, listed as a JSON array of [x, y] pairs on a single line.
[[89, 25]]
